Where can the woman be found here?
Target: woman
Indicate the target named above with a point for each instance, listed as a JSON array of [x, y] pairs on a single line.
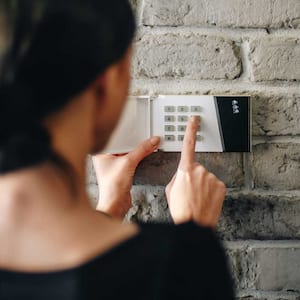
[[64, 81]]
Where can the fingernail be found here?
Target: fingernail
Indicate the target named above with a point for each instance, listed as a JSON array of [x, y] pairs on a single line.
[[195, 119], [155, 140]]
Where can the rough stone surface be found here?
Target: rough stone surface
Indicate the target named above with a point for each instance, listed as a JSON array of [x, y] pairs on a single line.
[[266, 266], [186, 56], [275, 59], [159, 168], [277, 166], [277, 269], [242, 272], [149, 205], [276, 115], [261, 216], [226, 13], [245, 215], [254, 295]]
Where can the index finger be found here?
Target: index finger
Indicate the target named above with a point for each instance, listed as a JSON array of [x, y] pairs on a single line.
[[189, 142]]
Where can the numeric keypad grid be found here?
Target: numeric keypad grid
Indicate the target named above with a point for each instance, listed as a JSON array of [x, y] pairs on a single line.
[[175, 121]]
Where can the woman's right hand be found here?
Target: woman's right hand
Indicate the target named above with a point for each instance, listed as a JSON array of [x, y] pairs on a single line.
[[194, 194]]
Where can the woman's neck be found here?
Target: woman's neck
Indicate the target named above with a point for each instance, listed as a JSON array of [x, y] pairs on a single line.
[[44, 191]]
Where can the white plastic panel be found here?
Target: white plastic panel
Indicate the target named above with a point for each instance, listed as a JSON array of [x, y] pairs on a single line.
[[169, 114], [133, 127], [167, 117]]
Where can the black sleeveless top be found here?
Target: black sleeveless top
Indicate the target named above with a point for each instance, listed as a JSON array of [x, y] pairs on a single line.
[[161, 262]]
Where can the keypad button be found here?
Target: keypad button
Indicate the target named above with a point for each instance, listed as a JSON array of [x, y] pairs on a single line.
[[182, 118], [181, 128], [169, 118], [169, 128], [169, 108], [198, 128], [180, 138], [199, 138], [183, 109], [196, 109], [170, 138]]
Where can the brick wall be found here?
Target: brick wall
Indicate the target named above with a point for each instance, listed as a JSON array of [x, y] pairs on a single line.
[[232, 47]]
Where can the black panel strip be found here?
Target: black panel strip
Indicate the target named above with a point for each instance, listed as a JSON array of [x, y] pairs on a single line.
[[234, 118]]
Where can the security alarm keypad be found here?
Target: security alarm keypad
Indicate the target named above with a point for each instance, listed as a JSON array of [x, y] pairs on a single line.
[[175, 121], [224, 123]]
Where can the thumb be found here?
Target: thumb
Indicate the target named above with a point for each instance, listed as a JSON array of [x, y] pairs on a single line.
[[144, 149]]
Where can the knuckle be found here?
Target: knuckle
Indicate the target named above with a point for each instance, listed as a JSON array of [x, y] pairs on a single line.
[[202, 170], [212, 177], [222, 186]]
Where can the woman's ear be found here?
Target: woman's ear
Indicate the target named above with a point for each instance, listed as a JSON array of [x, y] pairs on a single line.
[[106, 85], [99, 88]]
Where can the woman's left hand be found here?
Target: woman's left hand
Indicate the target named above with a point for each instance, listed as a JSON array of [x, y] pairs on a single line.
[[115, 176]]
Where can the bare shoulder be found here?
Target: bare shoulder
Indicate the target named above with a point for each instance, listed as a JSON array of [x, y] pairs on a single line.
[[100, 236], [67, 244], [92, 236]]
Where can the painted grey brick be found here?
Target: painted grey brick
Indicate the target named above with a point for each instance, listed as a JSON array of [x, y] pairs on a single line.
[[260, 295], [159, 168], [277, 166], [149, 204], [188, 56], [265, 266], [242, 271], [245, 215], [276, 115], [226, 13], [260, 215], [275, 59], [277, 269]]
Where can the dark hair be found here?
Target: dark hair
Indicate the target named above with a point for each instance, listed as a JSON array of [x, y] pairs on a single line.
[[57, 48]]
